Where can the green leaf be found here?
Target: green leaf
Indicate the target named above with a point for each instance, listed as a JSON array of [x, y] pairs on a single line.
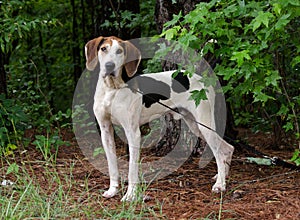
[[294, 2], [283, 110], [174, 21], [170, 33], [197, 96], [195, 17], [277, 8], [127, 15], [227, 73], [209, 81], [240, 57], [12, 146], [272, 78], [288, 126], [185, 39], [13, 168], [296, 157], [262, 18], [282, 22], [228, 11], [261, 97], [295, 61], [6, 37]]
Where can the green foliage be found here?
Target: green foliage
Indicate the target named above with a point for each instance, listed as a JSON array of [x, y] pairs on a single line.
[[296, 157], [49, 194], [16, 25], [13, 122], [130, 21], [13, 168], [45, 144], [34, 36], [38, 65], [258, 45], [198, 96]]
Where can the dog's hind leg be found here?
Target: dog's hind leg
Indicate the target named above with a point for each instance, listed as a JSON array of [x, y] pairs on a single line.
[[222, 151]]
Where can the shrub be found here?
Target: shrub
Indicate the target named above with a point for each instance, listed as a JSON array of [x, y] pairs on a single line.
[[258, 45]]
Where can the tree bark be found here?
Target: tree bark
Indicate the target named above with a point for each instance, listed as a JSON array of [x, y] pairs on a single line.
[[75, 49], [3, 80], [164, 12]]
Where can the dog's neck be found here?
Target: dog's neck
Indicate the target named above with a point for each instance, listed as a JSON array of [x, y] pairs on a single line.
[[114, 82]]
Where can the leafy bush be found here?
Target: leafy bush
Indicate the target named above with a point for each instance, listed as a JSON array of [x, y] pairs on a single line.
[[129, 20], [13, 122], [258, 45], [46, 145], [296, 157]]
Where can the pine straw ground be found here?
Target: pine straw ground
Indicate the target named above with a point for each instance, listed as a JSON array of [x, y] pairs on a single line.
[[253, 191]]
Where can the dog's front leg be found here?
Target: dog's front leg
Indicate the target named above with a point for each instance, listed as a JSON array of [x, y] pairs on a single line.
[[107, 136], [134, 139]]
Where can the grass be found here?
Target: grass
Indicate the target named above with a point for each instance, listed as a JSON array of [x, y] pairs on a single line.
[[48, 189], [28, 199], [60, 196]]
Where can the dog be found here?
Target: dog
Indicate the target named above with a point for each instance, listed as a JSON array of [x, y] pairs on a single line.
[[134, 104]]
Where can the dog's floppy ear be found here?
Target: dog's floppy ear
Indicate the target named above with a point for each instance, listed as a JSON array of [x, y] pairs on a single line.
[[91, 53], [133, 58]]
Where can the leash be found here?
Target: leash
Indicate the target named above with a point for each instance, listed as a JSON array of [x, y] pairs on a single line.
[[275, 161]]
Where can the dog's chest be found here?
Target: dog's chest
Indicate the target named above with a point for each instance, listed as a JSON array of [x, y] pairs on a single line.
[[116, 103]]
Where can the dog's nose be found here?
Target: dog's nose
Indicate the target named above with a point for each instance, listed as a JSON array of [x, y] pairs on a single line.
[[110, 66]]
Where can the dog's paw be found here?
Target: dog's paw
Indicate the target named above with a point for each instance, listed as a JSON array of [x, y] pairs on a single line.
[[111, 192], [216, 177], [219, 187], [128, 197]]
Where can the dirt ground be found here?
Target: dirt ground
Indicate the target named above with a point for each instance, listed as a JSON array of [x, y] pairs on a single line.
[[253, 191]]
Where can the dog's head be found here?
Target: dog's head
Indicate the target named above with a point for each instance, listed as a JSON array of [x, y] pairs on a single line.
[[112, 54]]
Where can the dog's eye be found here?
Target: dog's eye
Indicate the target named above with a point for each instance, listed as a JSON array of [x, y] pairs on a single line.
[[119, 51], [103, 49]]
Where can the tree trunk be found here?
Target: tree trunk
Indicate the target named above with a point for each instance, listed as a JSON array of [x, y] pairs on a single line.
[[164, 12], [75, 49], [3, 82]]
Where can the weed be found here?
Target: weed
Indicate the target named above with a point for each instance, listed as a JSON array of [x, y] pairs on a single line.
[[296, 157], [55, 194], [46, 143]]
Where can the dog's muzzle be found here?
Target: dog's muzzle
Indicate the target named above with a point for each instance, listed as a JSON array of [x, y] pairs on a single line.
[[109, 69]]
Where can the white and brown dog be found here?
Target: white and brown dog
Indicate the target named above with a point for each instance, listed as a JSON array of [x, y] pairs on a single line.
[[115, 102]]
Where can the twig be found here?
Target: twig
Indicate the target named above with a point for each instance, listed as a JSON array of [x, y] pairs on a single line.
[[116, 14], [293, 110], [268, 177], [45, 97], [281, 70]]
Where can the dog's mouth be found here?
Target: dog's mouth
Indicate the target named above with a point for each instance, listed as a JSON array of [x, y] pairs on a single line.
[[113, 74]]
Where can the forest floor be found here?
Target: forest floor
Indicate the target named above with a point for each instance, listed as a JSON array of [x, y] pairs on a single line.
[[253, 191]]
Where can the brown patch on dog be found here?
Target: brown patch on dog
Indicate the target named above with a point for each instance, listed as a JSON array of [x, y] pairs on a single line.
[[92, 47]]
